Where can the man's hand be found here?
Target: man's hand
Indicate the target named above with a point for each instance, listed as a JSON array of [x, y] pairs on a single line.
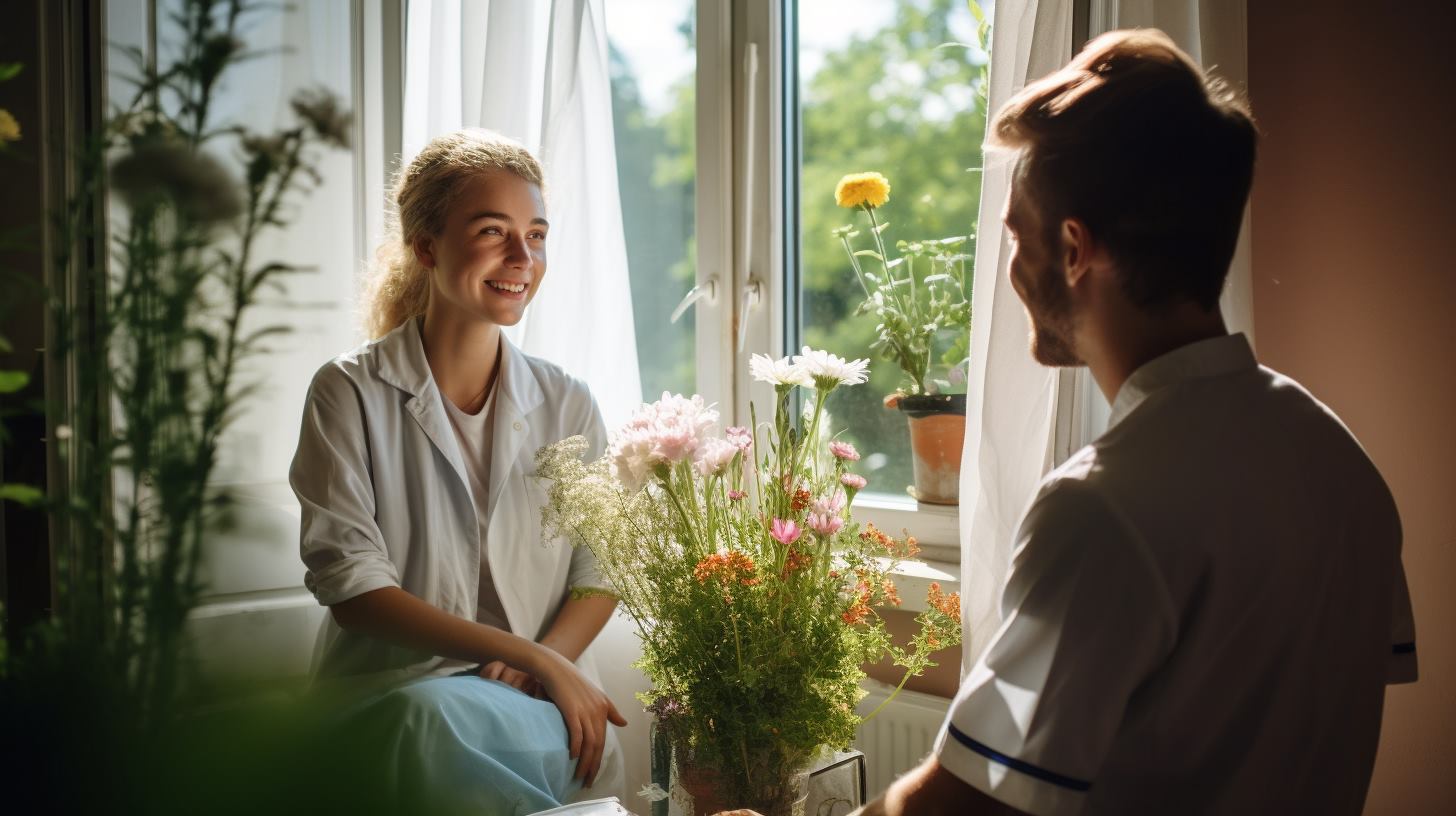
[[584, 709], [496, 670]]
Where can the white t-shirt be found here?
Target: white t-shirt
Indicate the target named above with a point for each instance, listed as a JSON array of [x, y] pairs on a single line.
[[1202, 613], [474, 432]]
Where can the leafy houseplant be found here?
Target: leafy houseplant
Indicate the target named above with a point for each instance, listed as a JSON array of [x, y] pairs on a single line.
[[154, 327], [753, 591], [917, 298]]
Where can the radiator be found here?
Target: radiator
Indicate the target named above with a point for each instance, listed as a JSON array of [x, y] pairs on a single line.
[[900, 736]]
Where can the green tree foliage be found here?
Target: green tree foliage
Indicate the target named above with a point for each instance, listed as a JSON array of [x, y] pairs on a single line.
[[900, 101], [656, 175]]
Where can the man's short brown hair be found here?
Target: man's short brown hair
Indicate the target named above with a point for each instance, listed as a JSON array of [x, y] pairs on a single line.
[[1153, 156]]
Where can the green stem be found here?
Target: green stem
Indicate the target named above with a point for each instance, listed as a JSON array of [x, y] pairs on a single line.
[[885, 262], [892, 696]]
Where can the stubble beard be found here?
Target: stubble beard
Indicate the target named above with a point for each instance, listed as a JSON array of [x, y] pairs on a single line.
[[1049, 313]]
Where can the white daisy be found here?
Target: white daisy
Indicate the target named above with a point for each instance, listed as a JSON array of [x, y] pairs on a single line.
[[778, 372], [830, 370]]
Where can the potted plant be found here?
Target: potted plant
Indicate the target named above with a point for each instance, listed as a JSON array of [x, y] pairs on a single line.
[[921, 301], [753, 591]]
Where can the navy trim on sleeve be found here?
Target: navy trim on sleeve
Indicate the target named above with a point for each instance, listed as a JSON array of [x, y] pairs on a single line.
[[1403, 648], [1018, 765]]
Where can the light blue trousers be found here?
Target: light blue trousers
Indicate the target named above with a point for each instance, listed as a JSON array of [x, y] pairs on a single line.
[[465, 745]]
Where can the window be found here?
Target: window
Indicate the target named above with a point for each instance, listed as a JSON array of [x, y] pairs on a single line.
[[732, 124], [653, 70], [881, 87]]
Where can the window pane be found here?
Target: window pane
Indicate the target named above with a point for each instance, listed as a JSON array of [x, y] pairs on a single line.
[[653, 61], [878, 92], [298, 47]]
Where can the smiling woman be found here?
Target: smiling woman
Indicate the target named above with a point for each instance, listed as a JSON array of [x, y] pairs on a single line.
[[420, 528]]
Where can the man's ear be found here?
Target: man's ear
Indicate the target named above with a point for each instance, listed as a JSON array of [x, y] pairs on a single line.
[[424, 251], [1077, 248]]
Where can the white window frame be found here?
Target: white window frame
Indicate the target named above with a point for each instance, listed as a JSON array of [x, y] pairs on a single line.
[[744, 221]]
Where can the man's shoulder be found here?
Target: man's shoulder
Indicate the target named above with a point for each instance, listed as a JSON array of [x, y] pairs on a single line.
[[1075, 495]]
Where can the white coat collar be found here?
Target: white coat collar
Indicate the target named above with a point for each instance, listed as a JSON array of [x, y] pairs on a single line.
[[1213, 357], [402, 364]]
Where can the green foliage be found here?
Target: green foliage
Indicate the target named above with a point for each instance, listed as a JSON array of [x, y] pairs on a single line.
[[656, 180], [157, 365], [753, 634]]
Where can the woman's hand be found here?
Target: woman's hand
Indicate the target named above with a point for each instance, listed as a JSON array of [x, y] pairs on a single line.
[[497, 670], [584, 708]]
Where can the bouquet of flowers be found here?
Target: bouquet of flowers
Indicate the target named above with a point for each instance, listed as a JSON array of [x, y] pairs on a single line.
[[754, 592]]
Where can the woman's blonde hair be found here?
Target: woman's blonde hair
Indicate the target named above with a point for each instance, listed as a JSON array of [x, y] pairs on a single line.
[[398, 286]]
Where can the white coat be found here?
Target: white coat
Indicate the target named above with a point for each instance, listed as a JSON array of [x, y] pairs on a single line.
[[385, 501]]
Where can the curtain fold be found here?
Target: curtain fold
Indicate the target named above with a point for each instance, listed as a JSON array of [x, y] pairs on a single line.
[[537, 72], [1012, 402], [1010, 397]]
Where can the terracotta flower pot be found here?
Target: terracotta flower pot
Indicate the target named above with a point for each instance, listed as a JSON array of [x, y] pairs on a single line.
[[937, 437]]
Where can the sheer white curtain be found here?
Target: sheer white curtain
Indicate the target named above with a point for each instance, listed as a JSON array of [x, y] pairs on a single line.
[[537, 72], [1010, 399], [1011, 417], [1216, 34]]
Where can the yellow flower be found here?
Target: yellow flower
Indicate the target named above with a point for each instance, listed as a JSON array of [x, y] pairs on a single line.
[[862, 190], [9, 128]]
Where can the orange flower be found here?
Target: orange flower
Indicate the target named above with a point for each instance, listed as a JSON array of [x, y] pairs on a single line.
[[892, 595], [860, 609], [800, 499], [794, 562], [948, 605], [730, 567]]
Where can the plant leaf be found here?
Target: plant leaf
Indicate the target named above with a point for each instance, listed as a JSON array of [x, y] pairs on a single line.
[[25, 494], [12, 381]]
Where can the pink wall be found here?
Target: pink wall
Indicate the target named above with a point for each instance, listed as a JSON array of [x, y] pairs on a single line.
[[1354, 254]]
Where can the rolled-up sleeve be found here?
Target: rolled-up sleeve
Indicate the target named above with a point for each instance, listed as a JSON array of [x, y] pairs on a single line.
[[343, 551], [1087, 619]]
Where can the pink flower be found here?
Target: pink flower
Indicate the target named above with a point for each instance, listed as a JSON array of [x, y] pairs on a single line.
[[825, 524], [785, 532], [853, 481], [736, 495], [740, 437], [668, 430], [828, 505], [713, 457], [844, 450]]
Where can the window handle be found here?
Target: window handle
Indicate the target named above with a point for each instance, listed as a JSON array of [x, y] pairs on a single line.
[[707, 289], [752, 292], [752, 296]]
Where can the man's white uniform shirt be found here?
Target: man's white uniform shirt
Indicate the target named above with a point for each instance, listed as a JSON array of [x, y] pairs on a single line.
[[1202, 613]]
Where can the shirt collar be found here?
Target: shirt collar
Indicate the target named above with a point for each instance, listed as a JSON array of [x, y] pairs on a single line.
[[403, 365], [1213, 357]]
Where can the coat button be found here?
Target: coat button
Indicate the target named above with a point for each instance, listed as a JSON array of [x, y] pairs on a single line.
[[516, 425]]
